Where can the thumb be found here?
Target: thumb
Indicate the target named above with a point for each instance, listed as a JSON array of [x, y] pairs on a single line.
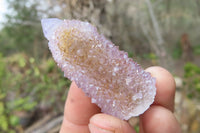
[[103, 123]]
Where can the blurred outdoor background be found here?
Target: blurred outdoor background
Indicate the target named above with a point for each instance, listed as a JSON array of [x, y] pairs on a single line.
[[153, 32]]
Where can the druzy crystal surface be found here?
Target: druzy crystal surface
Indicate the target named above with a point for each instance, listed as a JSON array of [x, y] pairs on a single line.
[[117, 84]]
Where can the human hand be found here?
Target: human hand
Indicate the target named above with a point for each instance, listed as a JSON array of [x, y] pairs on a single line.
[[82, 116]]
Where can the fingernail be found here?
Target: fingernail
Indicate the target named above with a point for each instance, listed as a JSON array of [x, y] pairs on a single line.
[[95, 129]]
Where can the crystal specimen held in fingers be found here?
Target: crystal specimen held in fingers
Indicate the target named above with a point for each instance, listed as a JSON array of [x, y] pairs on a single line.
[[117, 84]]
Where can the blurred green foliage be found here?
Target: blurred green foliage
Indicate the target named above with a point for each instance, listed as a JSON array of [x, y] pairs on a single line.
[[25, 84], [137, 127], [192, 80], [22, 31], [130, 54], [177, 51], [29, 80], [196, 49], [151, 57]]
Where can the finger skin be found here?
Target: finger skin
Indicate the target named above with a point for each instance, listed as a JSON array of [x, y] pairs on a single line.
[[158, 119], [111, 124], [69, 127], [78, 110], [165, 85]]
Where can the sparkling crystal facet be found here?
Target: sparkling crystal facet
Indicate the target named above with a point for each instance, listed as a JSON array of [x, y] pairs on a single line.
[[118, 85]]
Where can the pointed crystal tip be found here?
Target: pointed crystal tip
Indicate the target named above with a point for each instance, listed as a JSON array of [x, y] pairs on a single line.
[[49, 25]]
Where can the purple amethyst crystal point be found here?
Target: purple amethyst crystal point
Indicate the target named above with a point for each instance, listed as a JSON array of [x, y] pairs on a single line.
[[118, 85]]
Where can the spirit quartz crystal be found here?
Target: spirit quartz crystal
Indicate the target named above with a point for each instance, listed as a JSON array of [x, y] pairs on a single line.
[[117, 84]]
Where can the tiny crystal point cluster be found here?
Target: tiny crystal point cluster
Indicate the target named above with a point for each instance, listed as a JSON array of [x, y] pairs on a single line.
[[117, 84]]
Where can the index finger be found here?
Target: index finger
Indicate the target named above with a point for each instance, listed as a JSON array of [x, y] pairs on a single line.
[[78, 111]]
